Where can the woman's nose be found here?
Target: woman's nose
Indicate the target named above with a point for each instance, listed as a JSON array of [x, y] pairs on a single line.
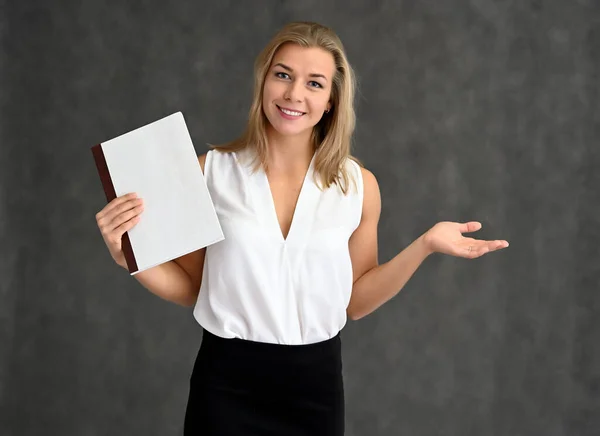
[[293, 92]]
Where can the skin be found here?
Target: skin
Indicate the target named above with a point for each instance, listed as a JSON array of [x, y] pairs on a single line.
[[300, 79]]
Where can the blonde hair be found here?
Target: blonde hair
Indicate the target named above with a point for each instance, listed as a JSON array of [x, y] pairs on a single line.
[[332, 136]]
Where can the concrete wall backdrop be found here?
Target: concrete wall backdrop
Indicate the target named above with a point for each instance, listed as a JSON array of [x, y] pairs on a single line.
[[480, 109]]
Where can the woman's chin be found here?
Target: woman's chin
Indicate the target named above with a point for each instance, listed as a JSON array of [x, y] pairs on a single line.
[[289, 131]]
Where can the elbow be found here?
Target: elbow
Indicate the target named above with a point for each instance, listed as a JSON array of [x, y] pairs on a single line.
[[353, 317], [189, 299], [184, 302], [188, 303], [353, 314]]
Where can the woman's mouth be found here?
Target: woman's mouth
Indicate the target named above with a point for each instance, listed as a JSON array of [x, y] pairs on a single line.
[[289, 114]]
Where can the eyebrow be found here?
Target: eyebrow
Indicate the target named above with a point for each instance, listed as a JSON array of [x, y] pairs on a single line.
[[285, 67]]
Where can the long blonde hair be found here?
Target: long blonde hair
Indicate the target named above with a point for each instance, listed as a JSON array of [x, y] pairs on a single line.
[[332, 136]]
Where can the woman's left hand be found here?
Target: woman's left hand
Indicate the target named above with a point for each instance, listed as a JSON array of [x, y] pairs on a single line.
[[447, 238]]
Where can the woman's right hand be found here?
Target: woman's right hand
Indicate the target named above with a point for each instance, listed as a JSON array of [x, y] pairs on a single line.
[[117, 217]]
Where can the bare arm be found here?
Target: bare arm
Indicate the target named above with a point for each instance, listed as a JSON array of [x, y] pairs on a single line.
[[172, 282], [376, 284]]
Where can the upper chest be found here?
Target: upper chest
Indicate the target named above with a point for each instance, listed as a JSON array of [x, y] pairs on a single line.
[[285, 191], [279, 207]]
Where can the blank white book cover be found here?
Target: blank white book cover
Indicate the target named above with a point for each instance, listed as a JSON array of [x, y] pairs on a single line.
[[159, 163]]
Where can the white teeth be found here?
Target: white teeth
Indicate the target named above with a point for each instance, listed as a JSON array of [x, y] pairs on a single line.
[[287, 112]]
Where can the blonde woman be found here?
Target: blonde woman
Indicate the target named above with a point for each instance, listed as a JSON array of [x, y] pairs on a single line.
[[300, 218]]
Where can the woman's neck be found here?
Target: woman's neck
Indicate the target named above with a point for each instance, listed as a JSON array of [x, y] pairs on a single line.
[[289, 153]]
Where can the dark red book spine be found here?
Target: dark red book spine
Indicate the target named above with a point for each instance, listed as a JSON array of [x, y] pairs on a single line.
[[109, 191]]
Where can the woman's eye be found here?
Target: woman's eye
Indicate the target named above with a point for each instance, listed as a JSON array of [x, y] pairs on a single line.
[[285, 76]]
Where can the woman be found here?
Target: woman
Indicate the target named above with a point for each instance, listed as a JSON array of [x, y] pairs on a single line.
[[300, 220]]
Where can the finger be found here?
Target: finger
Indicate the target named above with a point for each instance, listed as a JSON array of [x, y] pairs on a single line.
[[116, 203], [498, 245], [126, 211], [110, 207], [493, 245], [471, 226], [118, 232], [475, 250], [110, 216], [126, 215], [119, 201], [479, 248]]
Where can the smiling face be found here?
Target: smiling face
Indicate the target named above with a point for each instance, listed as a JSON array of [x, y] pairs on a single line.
[[297, 89]]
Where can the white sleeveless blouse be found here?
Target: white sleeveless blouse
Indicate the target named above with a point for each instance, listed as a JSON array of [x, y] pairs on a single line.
[[258, 286]]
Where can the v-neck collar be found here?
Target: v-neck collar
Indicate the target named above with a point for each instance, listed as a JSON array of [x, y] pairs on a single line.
[[303, 215]]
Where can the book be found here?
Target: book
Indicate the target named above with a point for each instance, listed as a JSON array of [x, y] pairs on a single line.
[[158, 162]]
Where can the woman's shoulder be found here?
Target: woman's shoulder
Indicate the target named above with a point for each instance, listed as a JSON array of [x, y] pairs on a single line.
[[367, 176], [371, 191], [366, 180], [217, 156], [357, 169]]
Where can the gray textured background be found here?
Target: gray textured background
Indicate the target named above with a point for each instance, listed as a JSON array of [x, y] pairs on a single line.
[[476, 109]]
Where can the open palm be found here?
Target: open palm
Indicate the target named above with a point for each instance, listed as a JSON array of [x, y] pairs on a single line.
[[447, 238]]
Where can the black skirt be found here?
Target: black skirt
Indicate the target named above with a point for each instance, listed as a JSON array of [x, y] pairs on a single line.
[[241, 387]]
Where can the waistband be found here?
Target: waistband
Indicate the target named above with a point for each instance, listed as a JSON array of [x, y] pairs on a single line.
[[244, 346]]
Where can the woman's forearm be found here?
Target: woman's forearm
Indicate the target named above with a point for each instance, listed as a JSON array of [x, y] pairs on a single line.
[[380, 284], [170, 282]]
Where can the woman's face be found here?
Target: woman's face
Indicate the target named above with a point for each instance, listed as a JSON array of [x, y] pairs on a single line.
[[297, 88]]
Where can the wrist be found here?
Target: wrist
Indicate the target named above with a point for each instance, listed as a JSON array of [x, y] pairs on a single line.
[[123, 264], [425, 245]]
